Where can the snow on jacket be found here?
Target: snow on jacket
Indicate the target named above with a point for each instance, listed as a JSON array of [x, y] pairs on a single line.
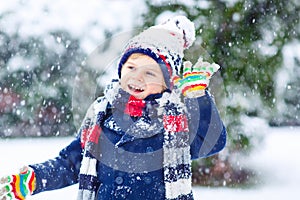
[[132, 168]]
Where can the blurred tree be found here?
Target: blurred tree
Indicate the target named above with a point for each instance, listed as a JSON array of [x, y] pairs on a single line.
[[289, 112], [288, 88], [246, 38], [35, 74]]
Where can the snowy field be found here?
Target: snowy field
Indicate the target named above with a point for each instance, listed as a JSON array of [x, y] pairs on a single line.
[[277, 161]]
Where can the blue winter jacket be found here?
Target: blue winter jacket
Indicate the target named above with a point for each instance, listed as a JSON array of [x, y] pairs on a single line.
[[133, 169]]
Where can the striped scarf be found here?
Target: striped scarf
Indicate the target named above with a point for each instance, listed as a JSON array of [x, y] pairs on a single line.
[[176, 149]]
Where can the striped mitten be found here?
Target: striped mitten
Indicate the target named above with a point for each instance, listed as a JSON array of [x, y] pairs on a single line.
[[18, 186], [196, 78]]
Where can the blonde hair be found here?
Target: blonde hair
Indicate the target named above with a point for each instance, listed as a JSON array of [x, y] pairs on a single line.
[[137, 55]]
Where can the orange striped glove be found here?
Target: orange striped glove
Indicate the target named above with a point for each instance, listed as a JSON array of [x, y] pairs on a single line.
[[18, 186], [195, 78]]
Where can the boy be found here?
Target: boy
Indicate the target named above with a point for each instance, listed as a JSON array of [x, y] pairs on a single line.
[[138, 140]]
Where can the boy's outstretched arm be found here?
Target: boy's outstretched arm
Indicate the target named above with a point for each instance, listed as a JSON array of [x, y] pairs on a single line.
[[52, 174], [61, 171]]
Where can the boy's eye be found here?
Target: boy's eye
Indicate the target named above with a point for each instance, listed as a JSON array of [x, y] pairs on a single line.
[[150, 73], [130, 67]]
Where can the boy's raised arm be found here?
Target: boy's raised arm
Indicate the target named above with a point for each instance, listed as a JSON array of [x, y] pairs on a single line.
[[207, 131]]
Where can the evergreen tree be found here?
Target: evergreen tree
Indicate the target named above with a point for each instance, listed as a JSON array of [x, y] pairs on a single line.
[[36, 75], [288, 91]]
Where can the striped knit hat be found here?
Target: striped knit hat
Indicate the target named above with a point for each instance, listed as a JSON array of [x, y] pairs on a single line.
[[165, 43]]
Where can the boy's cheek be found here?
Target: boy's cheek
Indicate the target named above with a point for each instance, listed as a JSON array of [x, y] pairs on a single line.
[[156, 87], [122, 80], [123, 85]]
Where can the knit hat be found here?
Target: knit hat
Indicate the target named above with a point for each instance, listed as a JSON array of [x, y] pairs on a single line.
[[165, 43]]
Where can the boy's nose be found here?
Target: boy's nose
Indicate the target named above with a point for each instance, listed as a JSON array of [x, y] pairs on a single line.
[[138, 75]]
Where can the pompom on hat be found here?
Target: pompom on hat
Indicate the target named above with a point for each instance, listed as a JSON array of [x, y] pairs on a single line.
[[165, 43]]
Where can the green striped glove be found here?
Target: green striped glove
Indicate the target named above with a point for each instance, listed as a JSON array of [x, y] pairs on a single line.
[[195, 78], [18, 186]]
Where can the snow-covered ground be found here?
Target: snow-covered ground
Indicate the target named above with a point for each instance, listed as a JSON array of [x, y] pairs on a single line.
[[276, 160]]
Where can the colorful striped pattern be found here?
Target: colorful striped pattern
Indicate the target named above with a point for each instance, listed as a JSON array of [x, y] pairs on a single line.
[[20, 185], [195, 79], [193, 87]]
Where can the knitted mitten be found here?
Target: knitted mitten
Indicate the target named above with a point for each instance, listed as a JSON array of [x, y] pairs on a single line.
[[195, 78], [18, 186]]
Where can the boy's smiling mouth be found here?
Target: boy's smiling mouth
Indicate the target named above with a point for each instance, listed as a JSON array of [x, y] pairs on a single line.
[[135, 88]]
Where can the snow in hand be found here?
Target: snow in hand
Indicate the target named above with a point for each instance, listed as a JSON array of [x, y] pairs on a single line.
[[276, 161]]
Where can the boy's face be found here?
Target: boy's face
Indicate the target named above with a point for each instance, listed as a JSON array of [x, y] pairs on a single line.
[[142, 76]]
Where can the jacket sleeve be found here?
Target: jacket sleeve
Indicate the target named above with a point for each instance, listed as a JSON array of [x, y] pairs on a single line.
[[61, 171], [207, 131]]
